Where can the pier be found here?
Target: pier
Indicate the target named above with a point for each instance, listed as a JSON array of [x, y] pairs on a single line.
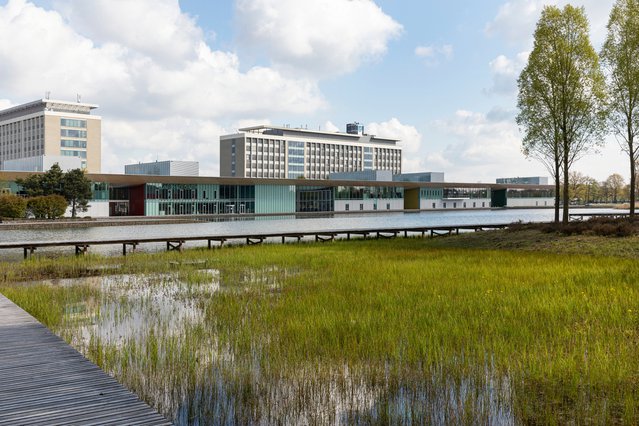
[[45, 381], [178, 243], [579, 217]]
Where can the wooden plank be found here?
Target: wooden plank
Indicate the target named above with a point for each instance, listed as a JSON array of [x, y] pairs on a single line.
[[176, 243], [45, 381]]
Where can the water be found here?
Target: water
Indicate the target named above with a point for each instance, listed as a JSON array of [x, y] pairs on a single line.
[[270, 224]]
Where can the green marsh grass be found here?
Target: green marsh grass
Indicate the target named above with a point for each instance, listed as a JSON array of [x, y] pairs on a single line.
[[397, 331]]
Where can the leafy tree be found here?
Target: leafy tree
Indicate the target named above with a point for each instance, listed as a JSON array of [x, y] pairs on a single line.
[[76, 188], [620, 57], [562, 95], [577, 190], [47, 183], [47, 206], [73, 185], [616, 185], [12, 206]]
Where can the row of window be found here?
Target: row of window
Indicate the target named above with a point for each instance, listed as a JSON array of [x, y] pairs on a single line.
[[69, 122], [72, 133]]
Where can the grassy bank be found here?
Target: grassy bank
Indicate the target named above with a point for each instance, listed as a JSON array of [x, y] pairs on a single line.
[[435, 331]]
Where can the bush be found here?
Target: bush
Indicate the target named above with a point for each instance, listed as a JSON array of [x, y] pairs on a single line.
[[12, 206], [47, 206]]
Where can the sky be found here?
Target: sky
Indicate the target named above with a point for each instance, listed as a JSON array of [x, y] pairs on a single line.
[[171, 76]]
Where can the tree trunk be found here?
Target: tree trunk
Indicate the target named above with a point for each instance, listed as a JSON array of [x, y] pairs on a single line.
[[566, 177], [633, 178], [557, 191]]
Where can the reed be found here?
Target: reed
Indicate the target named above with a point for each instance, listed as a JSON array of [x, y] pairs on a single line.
[[406, 330]]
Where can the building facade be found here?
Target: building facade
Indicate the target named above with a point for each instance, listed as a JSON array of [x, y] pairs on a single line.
[[283, 153], [146, 195], [51, 128], [164, 168]]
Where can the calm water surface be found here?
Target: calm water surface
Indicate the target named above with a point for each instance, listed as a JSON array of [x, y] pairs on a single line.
[[272, 224]]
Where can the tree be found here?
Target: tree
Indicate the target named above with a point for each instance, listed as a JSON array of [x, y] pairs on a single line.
[[577, 190], [47, 183], [562, 95], [47, 206], [12, 206], [616, 184], [72, 185], [620, 57], [76, 188]]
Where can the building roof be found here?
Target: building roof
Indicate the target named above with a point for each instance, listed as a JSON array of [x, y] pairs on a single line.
[[47, 105], [288, 131], [132, 180]]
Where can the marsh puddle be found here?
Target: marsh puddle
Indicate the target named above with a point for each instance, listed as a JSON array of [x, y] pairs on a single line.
[[156, 334]]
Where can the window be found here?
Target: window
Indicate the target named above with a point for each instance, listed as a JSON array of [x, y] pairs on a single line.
[[454, 205], [434, 205], [72, 133], [67, 122], [361, 206], [347, 207], [444, 205], [387, 206]]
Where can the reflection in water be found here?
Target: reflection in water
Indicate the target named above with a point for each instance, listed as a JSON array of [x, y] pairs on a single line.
[[152, 332]]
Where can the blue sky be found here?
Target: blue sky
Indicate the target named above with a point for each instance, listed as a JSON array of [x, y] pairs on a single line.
[[171, 76]]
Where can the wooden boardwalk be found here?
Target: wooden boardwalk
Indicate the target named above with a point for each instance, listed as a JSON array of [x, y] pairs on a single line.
[[177, 242], [44, 381], [578, 217]]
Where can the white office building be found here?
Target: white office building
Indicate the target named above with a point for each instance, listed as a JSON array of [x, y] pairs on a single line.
[[47, 128], [286, 153]]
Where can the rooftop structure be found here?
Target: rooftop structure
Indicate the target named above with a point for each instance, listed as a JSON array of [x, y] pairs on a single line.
[[48, 127], [164, 168], [532, 180], [283, 152], [420, 177]]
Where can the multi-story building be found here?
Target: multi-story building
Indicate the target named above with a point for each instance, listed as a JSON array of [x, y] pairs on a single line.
[[164, 168], [286, 153], [49, 127]]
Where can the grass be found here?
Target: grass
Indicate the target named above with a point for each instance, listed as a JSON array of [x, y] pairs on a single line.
[[495, 327]]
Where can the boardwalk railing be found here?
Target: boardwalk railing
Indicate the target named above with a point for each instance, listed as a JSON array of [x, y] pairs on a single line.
[[177, 243], [578, 217]]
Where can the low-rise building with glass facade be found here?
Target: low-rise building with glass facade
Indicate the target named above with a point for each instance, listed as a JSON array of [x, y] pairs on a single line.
[[145, 195], [271, 152]]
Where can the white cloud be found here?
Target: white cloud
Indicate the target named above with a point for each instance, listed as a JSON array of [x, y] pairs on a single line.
[[516, 19], [164, 95], [155, 28], [410, 141], [433, 54], [318, 37], [484, 147], [330, 127], [505, 72]]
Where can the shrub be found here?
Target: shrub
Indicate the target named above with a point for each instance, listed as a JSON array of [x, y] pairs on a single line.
[[47, 206], [12, 206]]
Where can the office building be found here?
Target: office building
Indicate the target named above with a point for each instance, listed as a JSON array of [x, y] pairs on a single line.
[[164, 168], [273, 152], [53, 128]]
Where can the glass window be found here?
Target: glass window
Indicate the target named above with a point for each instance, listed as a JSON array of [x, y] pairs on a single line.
[[68, 122]]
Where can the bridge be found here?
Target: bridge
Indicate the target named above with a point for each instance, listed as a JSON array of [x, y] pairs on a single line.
[[178, 243]]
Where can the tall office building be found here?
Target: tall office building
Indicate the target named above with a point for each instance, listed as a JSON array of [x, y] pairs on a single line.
[[285, 153], [50, 128]]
